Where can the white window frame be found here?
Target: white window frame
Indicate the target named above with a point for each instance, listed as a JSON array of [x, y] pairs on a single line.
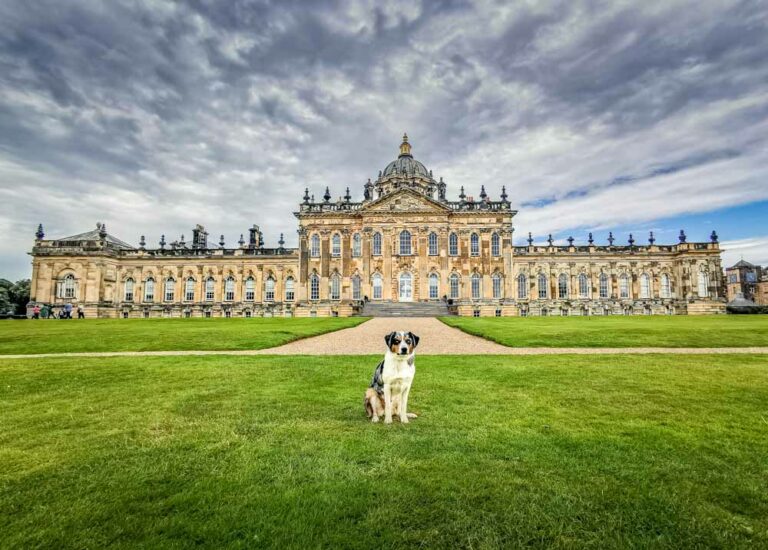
[[476, 283], [434, 286], [604, 287], [453, 244], [376, 246], [377, 281], [645, 286], [250, 289], [68, 287], [357, 245], [210, 289], [666, 286], [474, 244], [336, 245], [170, 289], [335, 293], [356, 288], [269, 289], [229, 289], [497, 286], [495, 245], [455, 285], [583, 285], [149, 290], [189, 289], [624, 291], [405, 242], [290, 289], [128, 287], [543, 283], [703, 284], [433, 248], [314, 246], [562, 286], [522, 286], [314, 287]]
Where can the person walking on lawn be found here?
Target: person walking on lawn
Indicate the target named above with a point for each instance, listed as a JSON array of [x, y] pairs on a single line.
[[80, 313], [67, 310], [36, 312]]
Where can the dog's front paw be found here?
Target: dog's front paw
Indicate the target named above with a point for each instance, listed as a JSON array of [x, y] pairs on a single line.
[[388, 420], [375, 419], [404, 420]]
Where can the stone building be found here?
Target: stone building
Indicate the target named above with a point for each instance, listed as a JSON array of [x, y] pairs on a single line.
[[405, 245], [742, 278]]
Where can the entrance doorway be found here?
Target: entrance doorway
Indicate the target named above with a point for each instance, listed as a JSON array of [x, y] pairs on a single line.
[[406, 287]]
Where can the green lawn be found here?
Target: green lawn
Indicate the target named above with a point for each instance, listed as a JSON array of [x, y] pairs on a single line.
[[547, 451], [60, 336], [619, 332]]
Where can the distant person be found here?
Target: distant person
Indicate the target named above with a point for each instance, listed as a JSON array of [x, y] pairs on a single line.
[[67, 311], [36, 312], [80, 313]]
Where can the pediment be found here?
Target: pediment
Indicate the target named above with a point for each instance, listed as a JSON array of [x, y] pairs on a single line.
[[405, 200]]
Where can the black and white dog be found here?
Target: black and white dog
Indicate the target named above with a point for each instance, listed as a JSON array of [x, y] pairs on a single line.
[[392, 379]]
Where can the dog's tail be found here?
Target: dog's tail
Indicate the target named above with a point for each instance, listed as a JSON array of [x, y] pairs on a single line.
[[411, 415], [367, 405]]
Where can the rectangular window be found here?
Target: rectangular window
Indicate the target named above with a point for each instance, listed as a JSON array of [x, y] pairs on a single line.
[[355, 288], [497, 287], [289, 290], [335, 288], [189, 290], [498, 313], [624, 286], [314, 288], [603, 286], [476, 313], [433, 248], [376, 244], [476, 288], [377, 287], [170, 289], [453, 245]]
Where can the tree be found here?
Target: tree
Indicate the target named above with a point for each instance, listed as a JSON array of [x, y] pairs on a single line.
[[14, 297]]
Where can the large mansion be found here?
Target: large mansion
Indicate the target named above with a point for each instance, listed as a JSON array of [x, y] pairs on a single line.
[[405, 242]]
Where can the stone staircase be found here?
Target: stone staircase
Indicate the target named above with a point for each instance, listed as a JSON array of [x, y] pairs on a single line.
[[405, 309]]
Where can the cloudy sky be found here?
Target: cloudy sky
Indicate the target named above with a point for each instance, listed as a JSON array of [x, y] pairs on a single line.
[[152, 116]]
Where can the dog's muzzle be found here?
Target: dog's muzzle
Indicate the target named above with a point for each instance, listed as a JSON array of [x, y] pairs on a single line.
[[403, 350]]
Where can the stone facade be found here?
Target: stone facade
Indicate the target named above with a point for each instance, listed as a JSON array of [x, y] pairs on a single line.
[[404, 242]]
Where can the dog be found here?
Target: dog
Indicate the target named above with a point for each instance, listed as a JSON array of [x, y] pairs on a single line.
[[392, 379]]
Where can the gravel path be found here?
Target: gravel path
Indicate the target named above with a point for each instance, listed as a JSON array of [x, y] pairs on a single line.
[[368, 338]]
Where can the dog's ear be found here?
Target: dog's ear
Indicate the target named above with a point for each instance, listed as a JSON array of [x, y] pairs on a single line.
[[389, 337], [414, 338]]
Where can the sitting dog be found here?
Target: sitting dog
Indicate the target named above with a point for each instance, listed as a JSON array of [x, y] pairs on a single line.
[[392, 379]]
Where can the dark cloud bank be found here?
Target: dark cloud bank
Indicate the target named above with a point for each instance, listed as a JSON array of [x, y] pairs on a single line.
[[153, 116]]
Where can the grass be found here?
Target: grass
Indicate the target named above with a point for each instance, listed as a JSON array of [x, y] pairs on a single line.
[[653, 451], [619, 332], [60, 336]]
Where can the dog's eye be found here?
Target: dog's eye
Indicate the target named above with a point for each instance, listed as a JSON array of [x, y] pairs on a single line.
[[407, 341]]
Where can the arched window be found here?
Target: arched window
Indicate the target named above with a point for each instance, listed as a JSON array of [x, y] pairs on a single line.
[[149, 290], [434, 286], [433, 248], [497, 287], [67, 287], [623, 286], [269, 289], [170, 289], [583, 286], [314, 249], [357, 249], [476, 281], [336, 245], [335, 287], [666, 290], [474, 244], [495, 245], [645, 286], [356, 294], [542, 281], [210, 286], [405, 243], [378, 286], [229, 289], [189, 289], [314, 287], [703, 283], [603, 282], [562, 286], [290, 289], [376, 244], [128, 296], [453, 244], [250, 289], [522, 286], [454, 284]]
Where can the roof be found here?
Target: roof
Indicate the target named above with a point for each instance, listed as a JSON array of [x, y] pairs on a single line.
[[405, 163], [95, 235], [742, 263]]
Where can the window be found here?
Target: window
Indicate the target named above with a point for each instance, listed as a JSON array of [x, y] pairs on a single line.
[[476, 313], [227, 314], [247, 313], [68, 288], [250, 289], [544, 312], [290, 289], [432, 251], [356, 295], [564, 312], [476, 284], [603, 285], [405, 243], [336, 245], [377, 286], [498, 313], [562, 286], [269, 289], [314, 287], [496, 279], [207, 314], [542, 287], [666, 291], [495, 245], [523, 311], [703, 284], [434, 286], [128, 296], [454, 283], [522, 286], [645, 286], [357, 248], [453, 244], [314, 250], [624, 286], [335, 287], [170, 289], [376, 244], [210, 285], [583, 286], [189, 289], [149, 290], [474, 244], [187, 314], [229, 289]]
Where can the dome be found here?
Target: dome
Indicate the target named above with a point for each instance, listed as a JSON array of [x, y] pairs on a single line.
[[406, 163]]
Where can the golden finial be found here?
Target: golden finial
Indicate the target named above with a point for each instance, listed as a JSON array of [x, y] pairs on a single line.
[[405, 147]]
